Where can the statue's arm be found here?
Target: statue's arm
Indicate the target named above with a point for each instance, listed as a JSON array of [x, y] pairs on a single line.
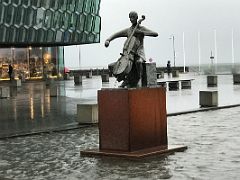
[[147, 32], [122, 33]]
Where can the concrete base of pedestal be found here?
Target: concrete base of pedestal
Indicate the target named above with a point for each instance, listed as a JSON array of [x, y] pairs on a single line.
[[159, 150]]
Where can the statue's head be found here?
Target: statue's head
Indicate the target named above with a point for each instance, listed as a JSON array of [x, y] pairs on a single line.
[[133, 16]]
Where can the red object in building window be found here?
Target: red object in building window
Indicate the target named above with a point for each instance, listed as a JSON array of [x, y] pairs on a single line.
[[66, 70]]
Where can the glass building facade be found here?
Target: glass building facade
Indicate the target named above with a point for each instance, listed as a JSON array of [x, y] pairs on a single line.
[[32, 62], [33, 33]]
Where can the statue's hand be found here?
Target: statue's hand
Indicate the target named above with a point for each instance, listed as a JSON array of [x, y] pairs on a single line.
[[107, 43]]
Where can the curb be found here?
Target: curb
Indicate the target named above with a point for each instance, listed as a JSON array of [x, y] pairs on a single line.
[[64, 128], [78, 126], [203, 110]]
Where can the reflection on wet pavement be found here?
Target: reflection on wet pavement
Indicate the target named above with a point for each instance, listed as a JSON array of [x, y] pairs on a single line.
[[31, 109], [213, 153]]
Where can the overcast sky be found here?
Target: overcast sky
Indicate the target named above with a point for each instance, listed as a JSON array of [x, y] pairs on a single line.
[[167, 17]]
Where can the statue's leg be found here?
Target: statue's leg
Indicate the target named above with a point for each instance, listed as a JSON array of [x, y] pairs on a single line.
[[133, 77], [139, 68]]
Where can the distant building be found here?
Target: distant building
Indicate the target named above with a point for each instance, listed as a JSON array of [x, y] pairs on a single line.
[[33, 33]]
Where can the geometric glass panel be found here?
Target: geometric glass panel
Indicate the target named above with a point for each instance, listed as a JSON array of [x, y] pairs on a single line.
[[40, 36], [48, 19], [56, 22], [26, 2], [71, 5], [19, 16], [97, 25], [16, 2], [81, 22], [89, 23], [79, 6], [29, 16], [2, 8], [9, 14], [49, 22], [88, 6]]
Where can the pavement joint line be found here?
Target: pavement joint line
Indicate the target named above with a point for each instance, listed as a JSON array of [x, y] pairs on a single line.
[[203, 110], [78, 126], [47, 131]]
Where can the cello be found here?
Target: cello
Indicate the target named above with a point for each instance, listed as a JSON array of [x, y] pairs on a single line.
[[124, 64]]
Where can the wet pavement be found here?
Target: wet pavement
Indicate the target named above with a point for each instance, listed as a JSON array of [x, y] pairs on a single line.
[[213, 153], [212, 137], [30, 109]]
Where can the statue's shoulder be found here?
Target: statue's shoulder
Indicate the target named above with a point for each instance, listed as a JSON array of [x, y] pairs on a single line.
[[141, 27]]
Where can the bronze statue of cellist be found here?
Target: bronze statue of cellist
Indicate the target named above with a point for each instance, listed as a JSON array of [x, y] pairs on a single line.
[[128, 67]]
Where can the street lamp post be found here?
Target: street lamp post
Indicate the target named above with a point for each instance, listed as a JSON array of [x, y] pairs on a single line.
[[212, 58], [174, 52]]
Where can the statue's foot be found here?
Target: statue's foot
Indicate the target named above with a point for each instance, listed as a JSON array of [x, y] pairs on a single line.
[[124, 84], [139, 84]]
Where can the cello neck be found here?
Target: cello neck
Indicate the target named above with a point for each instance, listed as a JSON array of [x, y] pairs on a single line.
[[132, 33]]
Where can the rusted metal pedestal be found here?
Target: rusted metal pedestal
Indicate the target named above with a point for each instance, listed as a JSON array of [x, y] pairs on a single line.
[[132, 123]]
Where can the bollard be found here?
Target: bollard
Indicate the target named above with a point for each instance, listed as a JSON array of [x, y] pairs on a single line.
[[186, 84], [105, 77], [208, 98], [87, 113], [236, 78], [211, 80], [175, 73], [16, 83], [173, 85], [66, 76], [77, 79], [89, 74]]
